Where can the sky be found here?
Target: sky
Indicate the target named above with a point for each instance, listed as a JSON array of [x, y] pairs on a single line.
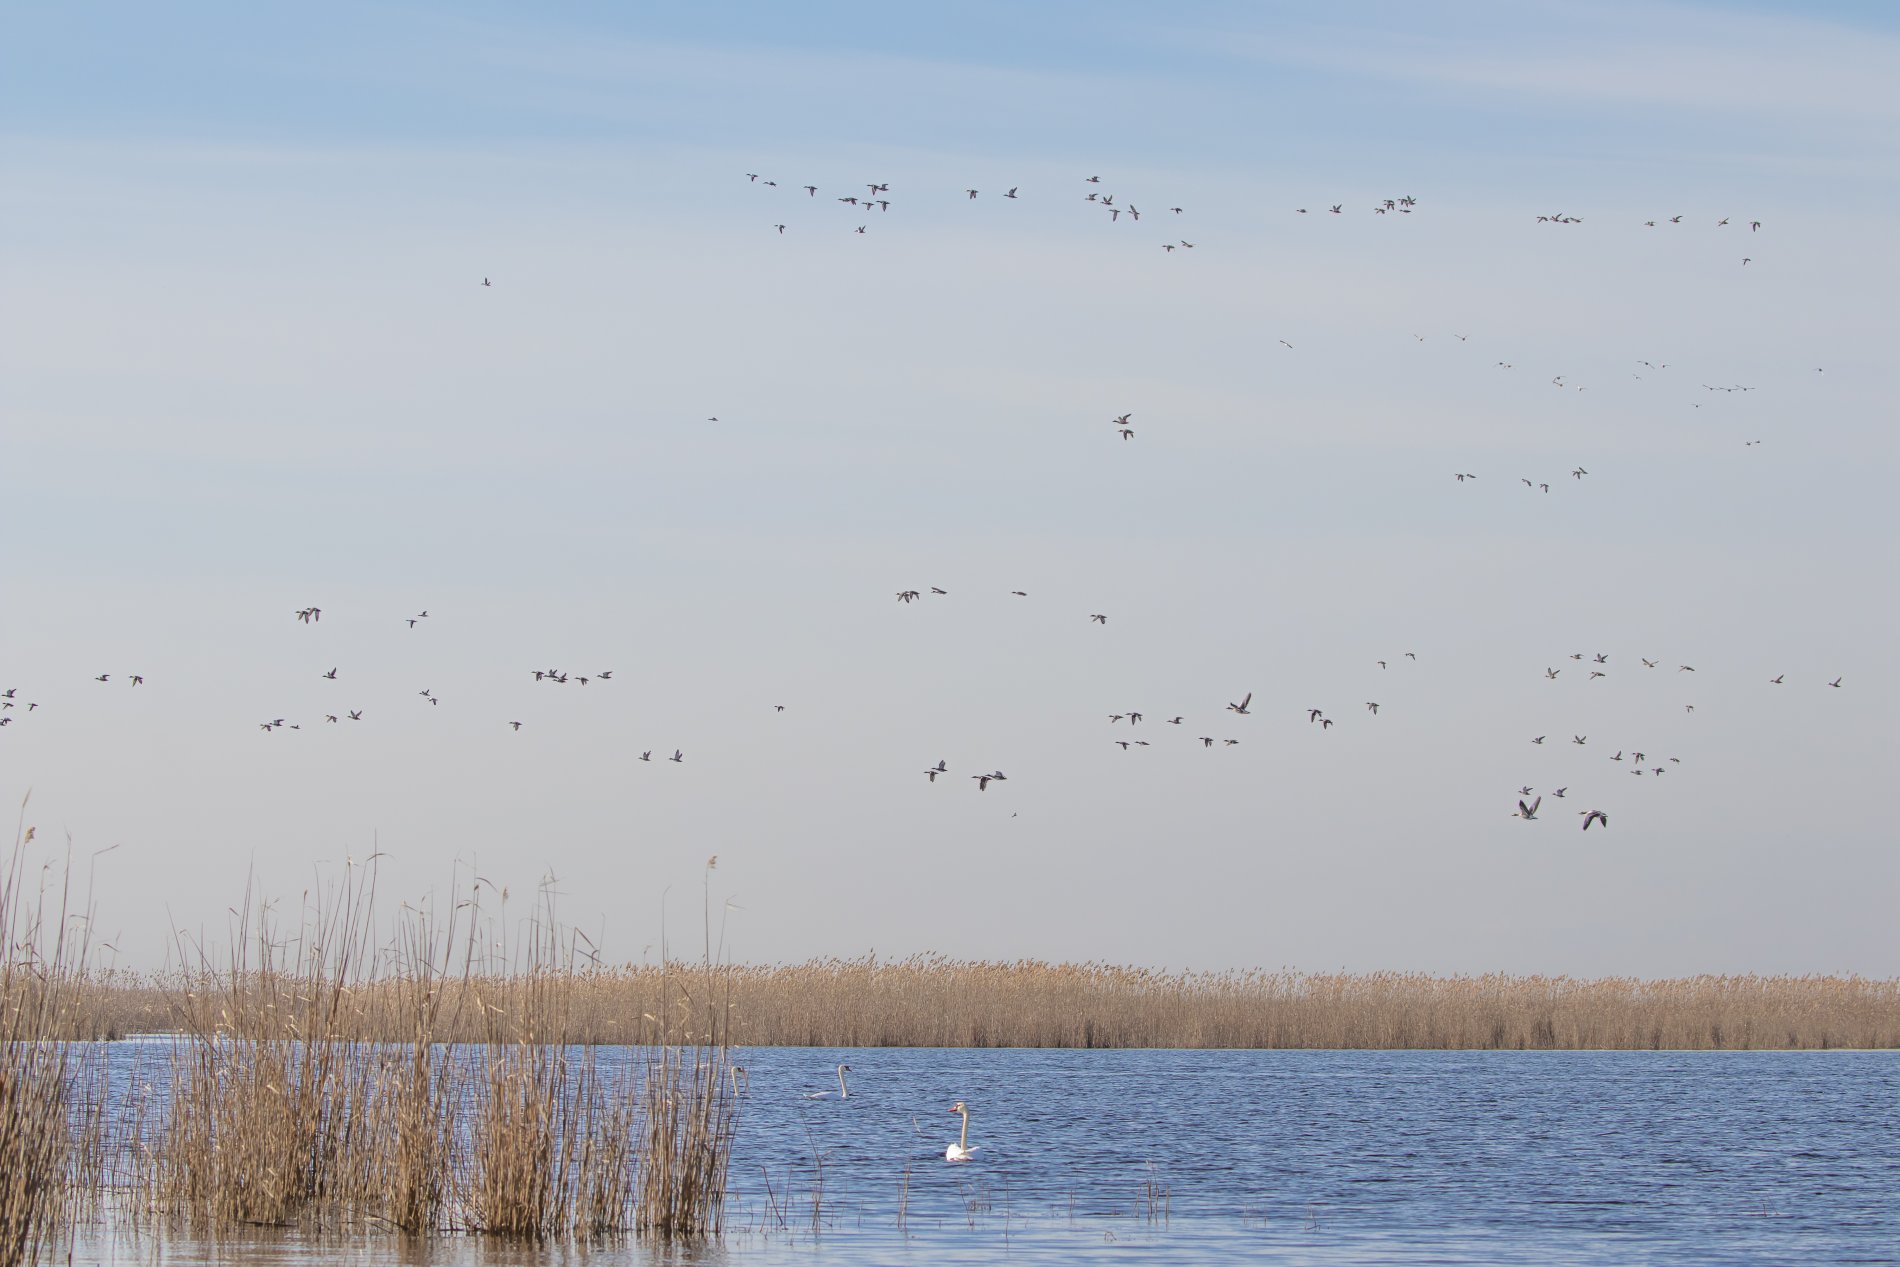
[[248, 366]]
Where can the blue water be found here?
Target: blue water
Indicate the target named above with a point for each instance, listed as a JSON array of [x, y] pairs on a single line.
[[1288, 1157]]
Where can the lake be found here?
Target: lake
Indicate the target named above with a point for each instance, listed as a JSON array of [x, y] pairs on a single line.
[[1295, 1157]]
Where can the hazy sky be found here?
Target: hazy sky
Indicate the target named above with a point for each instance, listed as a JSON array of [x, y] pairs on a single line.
[[247, 366]]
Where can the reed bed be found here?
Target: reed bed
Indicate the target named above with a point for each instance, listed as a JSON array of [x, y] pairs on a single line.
[[50, 1120], [929, 1001], [319, 1078], [934, 1002]]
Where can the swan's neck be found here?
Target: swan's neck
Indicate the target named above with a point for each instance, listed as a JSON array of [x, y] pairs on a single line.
[[963, 1140], [844, 1092]]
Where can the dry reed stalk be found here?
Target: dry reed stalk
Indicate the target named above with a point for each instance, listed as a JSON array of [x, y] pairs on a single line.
[[414, 1104], [48, 1121], [690, 1119], [520, 1137], [607, 1188], [269, 1092], [33, 1143], [691, 1097], [553, 1137]]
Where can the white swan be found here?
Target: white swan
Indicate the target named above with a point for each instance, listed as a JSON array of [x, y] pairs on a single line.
[[844, 1092], [961, 1150]]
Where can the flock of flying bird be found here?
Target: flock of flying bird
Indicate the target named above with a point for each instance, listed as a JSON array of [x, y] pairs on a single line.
[[1116, 209], [314, 615], [1596, 667], [1526, 810], [1636, 758], [1106, 202], [1096, 198]]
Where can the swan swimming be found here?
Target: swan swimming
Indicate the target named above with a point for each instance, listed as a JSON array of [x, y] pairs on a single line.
[[961, 1150], [844, 1092]]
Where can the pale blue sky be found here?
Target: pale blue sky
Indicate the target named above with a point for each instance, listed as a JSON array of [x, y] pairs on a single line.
[[246, 365]]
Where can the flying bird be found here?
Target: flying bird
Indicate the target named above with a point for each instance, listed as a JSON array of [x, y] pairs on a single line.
[[1596, 816]]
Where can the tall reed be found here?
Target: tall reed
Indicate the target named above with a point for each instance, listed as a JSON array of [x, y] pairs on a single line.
[[38, 968], [268, 1088]]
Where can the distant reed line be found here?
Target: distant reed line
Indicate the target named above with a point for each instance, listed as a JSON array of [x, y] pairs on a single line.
[[929, 1001]]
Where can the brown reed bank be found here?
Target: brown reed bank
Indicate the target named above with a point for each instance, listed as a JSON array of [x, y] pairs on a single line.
[[927, 1001], [320, 1078], [433, 1083]]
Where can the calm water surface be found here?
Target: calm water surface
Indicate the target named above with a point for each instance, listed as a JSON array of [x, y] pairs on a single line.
[[1288, 1157]]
